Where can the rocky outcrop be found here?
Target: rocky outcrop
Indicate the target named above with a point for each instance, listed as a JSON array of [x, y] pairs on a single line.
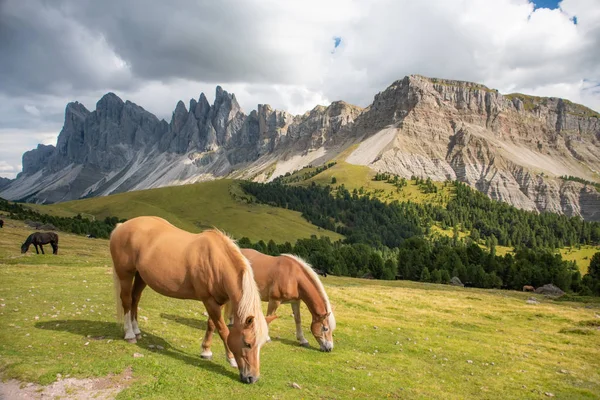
[[512, 147], [550, 290], [4, 182]]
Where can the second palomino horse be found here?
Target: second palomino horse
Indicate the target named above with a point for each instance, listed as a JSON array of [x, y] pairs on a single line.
[[208, 267], [289, 279]]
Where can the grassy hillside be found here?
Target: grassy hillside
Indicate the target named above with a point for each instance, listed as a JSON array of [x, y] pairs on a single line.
[[582, 256], [197, 207], [394, 339], [359, 176]]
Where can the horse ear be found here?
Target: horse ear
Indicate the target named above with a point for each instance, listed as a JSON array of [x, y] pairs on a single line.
[[270, 318], [249, 322]]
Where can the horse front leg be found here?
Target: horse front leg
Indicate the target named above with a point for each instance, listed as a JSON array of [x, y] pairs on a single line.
[[36, 249], [42, 248], [271, 309], [207, 342], [215, 314], [299, 334]]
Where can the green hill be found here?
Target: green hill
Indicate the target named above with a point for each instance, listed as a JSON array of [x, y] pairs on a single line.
[[197, 207], [361, 178]]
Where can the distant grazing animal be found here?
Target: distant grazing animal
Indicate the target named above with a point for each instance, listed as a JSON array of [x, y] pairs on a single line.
[[528, 288], [40, 238], [289, 279], [207, 266], [320, 272], [90, 236], [1, 223]]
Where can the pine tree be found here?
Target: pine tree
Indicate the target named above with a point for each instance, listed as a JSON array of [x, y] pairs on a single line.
[[425, 276]]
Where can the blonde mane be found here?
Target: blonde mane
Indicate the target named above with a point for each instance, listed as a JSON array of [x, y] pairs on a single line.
[[315, 278], [250, 304]]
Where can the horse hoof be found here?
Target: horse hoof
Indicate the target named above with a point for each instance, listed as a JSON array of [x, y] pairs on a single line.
[[232, 362], [304, 344], [268, 338], [138, 336], [206, 356], [132, 340]]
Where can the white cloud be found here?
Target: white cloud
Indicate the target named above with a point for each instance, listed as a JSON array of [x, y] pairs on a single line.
[[9, 170], [33, 110]]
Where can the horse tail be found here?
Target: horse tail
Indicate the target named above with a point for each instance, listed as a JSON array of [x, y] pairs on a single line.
[[118, 305]]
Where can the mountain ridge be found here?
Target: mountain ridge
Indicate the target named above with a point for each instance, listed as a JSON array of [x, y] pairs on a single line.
[[512, 147]]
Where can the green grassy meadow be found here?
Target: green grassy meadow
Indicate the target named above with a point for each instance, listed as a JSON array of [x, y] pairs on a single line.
[[582, 256], [357, 176], [197, 207], [395, 339]]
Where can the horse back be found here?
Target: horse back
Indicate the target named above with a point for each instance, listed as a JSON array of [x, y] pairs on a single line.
[[171, 261], [276, 277]]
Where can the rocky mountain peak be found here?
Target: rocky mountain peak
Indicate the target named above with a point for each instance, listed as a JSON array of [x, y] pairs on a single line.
[[36, 159], [109, 106], [511, 147]]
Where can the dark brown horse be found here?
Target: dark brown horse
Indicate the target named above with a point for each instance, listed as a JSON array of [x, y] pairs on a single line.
[[1, 223], [40, 238]]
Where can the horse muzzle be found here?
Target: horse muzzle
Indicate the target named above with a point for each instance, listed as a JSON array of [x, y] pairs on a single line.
[[326, 346], [248, 378]]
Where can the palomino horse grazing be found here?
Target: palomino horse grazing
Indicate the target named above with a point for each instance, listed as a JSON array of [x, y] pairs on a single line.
[[289, 279], [528, 288], [208, 267], [38, 239]]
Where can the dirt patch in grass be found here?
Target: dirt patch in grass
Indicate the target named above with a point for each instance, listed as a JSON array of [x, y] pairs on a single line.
[[68, 388]]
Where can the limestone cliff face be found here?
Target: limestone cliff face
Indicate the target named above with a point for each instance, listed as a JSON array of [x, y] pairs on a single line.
[[512, 147]]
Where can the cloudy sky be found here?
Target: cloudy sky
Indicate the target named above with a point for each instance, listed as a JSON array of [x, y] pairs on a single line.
[[290, 54]]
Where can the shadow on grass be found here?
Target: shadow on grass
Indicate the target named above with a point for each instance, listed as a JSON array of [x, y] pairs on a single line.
[[191, 322], [199, 324], [294, 344], [99, 330]]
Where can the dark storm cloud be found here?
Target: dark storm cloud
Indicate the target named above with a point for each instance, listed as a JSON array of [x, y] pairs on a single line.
[[220, 41], [46, 52]]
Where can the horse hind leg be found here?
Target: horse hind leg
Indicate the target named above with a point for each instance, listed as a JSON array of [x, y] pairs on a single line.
[[299, 333], [138, 286], [42, 248], [126, 302]]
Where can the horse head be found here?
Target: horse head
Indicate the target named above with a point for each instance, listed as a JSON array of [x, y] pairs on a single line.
[[245, 346], [25, 246], [322, 329]]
